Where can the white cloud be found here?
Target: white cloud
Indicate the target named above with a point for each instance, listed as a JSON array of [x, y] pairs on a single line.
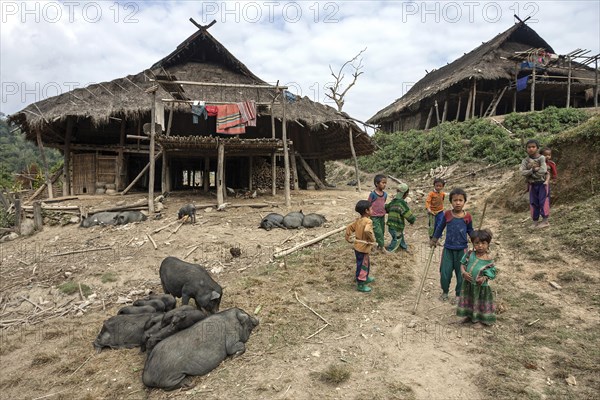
[[403, 39]]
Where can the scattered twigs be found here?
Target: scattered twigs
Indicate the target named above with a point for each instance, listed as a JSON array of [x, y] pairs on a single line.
[[342, 337], [317, 332], [164, 227], [190, 252], [314, 312], [308, 243], [78, 368], [81, 251], [152, 241], [32, 303], [533, 322], [81, 292]]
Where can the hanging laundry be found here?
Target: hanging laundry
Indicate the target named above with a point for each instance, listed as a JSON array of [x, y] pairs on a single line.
[[198, 111], [289, 96], [212, 111], [522, 83], [248, 112], [229, 120]]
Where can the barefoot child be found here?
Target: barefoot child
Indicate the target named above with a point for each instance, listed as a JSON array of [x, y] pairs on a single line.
[[435, 204], [533, 168], [458, 224], [398, 211], [476, 302], [363, 243], [377, 198]]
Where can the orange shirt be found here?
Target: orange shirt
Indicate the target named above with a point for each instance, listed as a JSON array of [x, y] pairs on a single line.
[[435, 202], [363, 231]]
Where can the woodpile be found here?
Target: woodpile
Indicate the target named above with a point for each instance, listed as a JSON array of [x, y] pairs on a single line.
[[262, 175]]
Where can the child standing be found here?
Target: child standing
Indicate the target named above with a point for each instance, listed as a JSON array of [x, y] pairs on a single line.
[[476, 302], [552, 173], [533, 168], [377, 198], [398, 211], [435, 204], [459, 224], [363, 243]]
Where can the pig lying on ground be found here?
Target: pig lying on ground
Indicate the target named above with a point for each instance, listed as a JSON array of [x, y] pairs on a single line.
[[185, 280], [271, 221], [198, 349], [101, 218], [125, 217], [157, 304], [125, 331], [169, 301], [137, 310], [189, 210], [293, 220], [313, 220], [179, 319]]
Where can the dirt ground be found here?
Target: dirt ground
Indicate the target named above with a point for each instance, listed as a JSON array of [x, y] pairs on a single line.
[[371, 347]]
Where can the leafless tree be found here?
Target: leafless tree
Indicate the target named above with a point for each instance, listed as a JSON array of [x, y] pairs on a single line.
[[335, 92]]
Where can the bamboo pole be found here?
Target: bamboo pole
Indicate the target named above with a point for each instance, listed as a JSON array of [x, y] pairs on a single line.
[[423, 279], [67, 158], [294, 169], [568, 85], [516, 81], [445, 112], [151, 156], [273, 159], [437, 112], [532, 96], [429, 118], [38, 220], [458, 108], [474, 96], [468, 110], [308, 243]]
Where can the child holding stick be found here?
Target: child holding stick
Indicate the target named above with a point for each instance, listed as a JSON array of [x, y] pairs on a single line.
[[377, 198], [363, 243]]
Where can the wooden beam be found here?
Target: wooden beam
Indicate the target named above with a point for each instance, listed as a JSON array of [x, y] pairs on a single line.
[[152, 161], [445, 112], [532, 93], [351, 139], [220, 183], [458, 108], [67, 158], [468, 110], [310, 172], [53, 179], [142, 172], [286, 156], [294, 169], [429, 118]]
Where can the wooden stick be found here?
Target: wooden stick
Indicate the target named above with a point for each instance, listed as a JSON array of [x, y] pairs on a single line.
[[316, 313], [81, 251], [190, 252], [31, 302], [78, 368], [153, 242], [533, 322], [81, 292], [164, 227], [483, 214], [308, 243], [317, 332], [414, 311]]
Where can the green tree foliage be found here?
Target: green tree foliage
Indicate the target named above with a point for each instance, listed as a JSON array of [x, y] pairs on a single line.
[[476, 140], [17, 154]]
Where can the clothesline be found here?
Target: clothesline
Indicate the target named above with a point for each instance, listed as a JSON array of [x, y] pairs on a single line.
[[211, 102]]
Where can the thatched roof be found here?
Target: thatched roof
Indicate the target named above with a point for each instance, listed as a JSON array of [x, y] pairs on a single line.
[[199, 58], [489, 61]]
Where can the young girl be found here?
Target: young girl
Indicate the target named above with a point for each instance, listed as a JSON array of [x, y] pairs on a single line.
[[377, 198], [362, 229], [435, 204], [476, 301]]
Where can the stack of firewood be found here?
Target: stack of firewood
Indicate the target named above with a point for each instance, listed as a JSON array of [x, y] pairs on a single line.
[[261, 175]]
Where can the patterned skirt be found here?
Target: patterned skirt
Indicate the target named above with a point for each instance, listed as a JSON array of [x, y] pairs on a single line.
[[477, 303]]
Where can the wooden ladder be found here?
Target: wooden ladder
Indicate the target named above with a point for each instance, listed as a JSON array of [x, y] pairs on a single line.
[[494, 103]]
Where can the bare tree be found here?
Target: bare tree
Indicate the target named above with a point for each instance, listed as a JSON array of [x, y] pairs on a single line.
[[337, 93]]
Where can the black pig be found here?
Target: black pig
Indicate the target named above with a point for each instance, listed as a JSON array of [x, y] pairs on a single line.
[[125, 331], [189, 210]]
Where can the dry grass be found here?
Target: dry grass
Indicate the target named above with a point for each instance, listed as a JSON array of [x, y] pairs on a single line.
[[333, 374]]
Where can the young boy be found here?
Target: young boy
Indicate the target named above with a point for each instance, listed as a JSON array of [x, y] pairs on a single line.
[[435, 204], [458, 224], [363, 243], [398, 211], [377, 198], [533, 168]]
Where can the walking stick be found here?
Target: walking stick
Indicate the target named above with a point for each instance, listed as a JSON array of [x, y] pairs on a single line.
[[414, 311], [483, 214]]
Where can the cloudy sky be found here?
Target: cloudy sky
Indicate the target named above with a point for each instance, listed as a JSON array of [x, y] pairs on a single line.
[[49, 47]]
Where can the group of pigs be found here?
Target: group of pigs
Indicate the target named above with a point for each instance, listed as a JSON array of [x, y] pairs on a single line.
[[112, 218], [180, 341], [293, 220]]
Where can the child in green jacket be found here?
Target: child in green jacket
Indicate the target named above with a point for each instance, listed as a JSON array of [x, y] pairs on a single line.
[[398, 211]]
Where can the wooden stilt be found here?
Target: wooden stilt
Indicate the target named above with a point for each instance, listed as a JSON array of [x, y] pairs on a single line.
[[437, 113], [45, 164], [142, 172], [310, 172], [250, 172], [38, 220], [294, 169], [474, 97], [429, 118], [273, 160], [568, 84], [532, 96], [468, 110], [481, 109], [152, 161], [445, 112], [206, 174], [67, 158], [220, 183], [516, 81], [286, 156], [458, 109], [351, 139], [164, 176], [119, 176]]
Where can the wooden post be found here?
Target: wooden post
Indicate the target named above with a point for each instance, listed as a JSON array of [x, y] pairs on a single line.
[[310, 172], [170, 122], [354, 158], [250, 168], [121, 156], [163, 176], [429, 118], [38, 220], [193, 178], [468, 110], [532, 96], [206, 174], [220, 159], [445, 112], [458, 108], [596, 86], [481, 109], [18, 216], [152, 165], [568, 84], [294, 169], [189, 177], [142, 172], [474, 96], [516, 81], [67, 158], [273, 160], [437, 113], [286, 156], [46, 172]]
